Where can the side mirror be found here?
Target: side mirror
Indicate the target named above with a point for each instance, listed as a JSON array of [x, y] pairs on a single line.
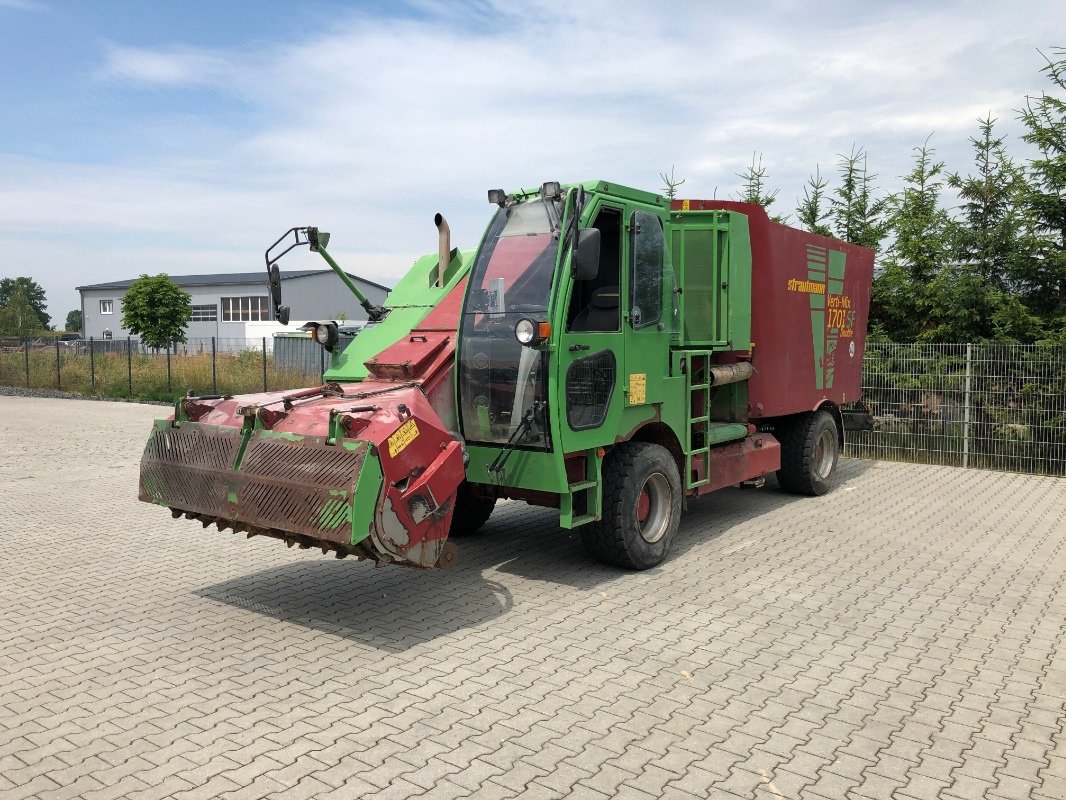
[[274, 279], [587, 255]]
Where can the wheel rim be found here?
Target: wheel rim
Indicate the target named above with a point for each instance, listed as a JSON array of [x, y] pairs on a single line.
[[654, 499], [824, 452]]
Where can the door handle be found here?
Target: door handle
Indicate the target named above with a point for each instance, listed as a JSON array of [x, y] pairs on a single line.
[[575, 347]]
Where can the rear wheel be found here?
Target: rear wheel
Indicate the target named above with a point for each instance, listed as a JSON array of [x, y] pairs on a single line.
[[641, 507], [471, 511], [810, 448]]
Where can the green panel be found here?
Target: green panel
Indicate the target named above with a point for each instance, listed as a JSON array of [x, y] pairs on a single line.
[[738, 333], [700, 271], [715, 268], [365, 500], [525, 469]]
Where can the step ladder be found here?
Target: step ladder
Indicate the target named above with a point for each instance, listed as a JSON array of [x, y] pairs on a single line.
[[583, 501], [697, 442]]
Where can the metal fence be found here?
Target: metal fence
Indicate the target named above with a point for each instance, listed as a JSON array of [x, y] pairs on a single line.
[[969, 405], [991, 406], [129, 368]]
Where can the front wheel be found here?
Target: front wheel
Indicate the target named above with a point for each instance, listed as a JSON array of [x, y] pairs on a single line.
[[641, 507], [810, 447], [471, 511]]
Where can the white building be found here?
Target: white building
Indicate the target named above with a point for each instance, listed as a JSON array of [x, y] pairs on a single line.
[[223, 305]]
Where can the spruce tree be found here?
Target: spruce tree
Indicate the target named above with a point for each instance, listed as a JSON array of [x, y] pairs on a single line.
[[856, 216], [1042, 278], [754, 190], [811, 211]]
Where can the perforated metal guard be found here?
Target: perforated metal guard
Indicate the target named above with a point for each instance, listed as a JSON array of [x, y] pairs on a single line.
[[187, 467], [589, 385], [301, 486]]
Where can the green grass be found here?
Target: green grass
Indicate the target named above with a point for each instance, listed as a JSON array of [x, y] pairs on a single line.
[[239, 373]]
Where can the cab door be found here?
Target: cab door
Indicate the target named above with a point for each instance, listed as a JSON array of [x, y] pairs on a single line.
[[647, 317], [591, 359]]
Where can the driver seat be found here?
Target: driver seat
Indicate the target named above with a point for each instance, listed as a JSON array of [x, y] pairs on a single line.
[[601, 314]]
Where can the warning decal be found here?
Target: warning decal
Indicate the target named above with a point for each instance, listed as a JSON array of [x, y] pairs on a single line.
[[638, 388], [406, 434]]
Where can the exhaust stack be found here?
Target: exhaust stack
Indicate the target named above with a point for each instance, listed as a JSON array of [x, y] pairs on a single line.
[[444, 247]]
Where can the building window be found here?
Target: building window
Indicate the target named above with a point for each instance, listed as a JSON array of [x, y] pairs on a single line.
[[107, 306], [204, 314], [245, 309]]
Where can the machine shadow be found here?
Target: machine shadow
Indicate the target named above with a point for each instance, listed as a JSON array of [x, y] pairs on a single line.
[[395, 608], [392, 609]]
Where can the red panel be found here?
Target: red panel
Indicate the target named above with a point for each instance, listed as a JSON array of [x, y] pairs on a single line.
[[749, 458]]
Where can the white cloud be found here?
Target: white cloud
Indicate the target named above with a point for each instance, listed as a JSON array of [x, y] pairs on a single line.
[[172, 67], [369, 127]]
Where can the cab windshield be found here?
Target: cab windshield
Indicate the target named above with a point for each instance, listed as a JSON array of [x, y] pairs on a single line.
[[501, 381]]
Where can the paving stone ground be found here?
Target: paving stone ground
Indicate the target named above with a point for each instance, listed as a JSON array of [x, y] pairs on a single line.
[[903, 636]]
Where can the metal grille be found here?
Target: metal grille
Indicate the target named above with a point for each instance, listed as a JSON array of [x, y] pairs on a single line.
[[990, 406], [186, 467], [301, 486], [589, 385]]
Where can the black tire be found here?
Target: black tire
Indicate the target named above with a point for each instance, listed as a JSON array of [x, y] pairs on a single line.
[[620, 538], [810, 449], [471, 511]]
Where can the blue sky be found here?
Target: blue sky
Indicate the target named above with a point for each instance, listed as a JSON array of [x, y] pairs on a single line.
[[184, 137]]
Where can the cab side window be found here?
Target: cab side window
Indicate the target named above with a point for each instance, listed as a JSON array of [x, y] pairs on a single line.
[[595, 304], [646, 276]]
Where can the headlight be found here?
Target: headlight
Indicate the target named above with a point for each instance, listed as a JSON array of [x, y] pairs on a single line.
[[531, 333], [325, 333], [525, 331]]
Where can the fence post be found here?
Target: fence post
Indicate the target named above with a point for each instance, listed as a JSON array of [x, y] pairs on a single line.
[[170, 389], [966, 408], [321, 361], [214, 375], [129, 365], [264, 363], [59, 380], [26, 352], [92, 366]]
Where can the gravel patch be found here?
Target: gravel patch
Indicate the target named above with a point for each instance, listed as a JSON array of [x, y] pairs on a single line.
[[15, 391]]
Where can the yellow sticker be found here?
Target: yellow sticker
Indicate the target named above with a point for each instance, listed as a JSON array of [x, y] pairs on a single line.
[[638, 389], [406, 434], [686, 204]]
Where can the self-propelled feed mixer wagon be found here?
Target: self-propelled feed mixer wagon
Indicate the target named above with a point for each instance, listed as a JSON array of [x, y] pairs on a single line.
[[604, 351]]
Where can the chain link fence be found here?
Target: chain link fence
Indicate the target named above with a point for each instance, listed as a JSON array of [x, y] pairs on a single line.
[[990, 406]]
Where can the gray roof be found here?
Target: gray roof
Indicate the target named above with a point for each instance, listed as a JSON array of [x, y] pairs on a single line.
[[229, 279]]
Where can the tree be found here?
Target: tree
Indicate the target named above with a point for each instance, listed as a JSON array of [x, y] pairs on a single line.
[[811, 211], [988, 239], [1043, 280], [755, 190], [18, 317], [857, 217], [902, 303], [670, 183], [919, 223], [73, 320], [156, 309], [32, 291]]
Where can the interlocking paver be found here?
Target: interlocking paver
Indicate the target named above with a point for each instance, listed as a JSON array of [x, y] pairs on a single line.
[[901, 636]]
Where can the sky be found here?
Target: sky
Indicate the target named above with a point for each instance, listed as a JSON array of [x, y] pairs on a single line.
[[184, 137]]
